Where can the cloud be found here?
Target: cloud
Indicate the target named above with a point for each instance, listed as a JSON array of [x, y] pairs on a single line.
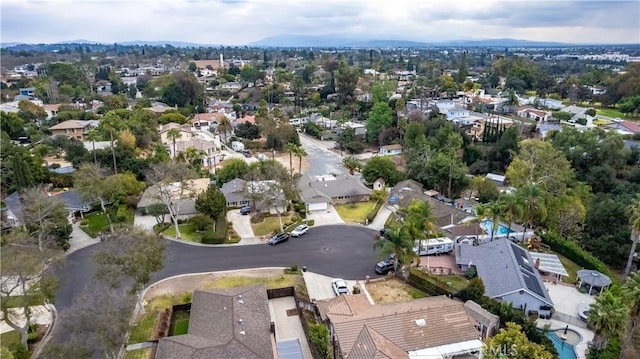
[[238, 22]]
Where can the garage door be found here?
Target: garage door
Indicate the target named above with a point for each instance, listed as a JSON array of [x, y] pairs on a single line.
[[317, 206]]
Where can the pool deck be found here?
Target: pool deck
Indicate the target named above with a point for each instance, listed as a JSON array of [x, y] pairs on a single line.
[[586, 334]]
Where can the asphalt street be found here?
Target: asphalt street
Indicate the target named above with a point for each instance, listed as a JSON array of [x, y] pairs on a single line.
[[322, 161], [335, 251]]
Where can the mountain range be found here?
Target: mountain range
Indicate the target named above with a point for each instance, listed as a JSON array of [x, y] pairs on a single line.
[[334, 40]]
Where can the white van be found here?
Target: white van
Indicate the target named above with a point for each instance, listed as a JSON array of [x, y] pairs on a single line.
[[433, 246]]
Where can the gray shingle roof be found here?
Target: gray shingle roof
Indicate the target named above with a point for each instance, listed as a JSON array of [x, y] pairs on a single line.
[[13, 203], [224, 323], [72, 199], [504, 268], [234, 190], [343, 185]]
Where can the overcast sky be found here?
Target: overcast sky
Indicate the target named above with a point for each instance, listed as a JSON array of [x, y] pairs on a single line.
[[237, 22]]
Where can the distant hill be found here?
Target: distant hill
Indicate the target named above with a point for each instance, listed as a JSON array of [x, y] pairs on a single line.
[[73, 43]]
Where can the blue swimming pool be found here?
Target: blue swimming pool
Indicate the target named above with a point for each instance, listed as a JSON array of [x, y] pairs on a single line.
[[565, 350], [487, 225]]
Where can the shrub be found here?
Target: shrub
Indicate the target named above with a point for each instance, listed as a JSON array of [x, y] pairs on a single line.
[[374, 211], [354, 147], [201, 222], [311, 222], [471, 272], [423, 281], [319, 336], [356, 289], [575, 253], [222, 227], [294, 268], [187, 297], [84, 222], [122, 214], [211, 237]]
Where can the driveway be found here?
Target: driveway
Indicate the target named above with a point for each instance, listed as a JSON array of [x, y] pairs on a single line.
[[242, 226], [146, 222], [381, 218], [79, 239], [319, 286], [326, 217]]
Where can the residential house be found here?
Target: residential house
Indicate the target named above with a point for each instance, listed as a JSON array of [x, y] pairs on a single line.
[[74, 128], [208, 150], [359, 129], [224, 323], [624, 127], [231, 86], [27, 91], [13, 215], [433, 327], [318, 192], [75, 203], [206, 120], [444, 214], [186, 199], [390, 150], [186, 135], [246, 118], [379, 184], [498, 180], [533, 114], [239, 192], [508, 273]]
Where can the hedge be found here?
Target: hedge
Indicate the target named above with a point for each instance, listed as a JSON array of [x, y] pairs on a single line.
[[220, 234], [374, 211], [577, 254], [423, 281]]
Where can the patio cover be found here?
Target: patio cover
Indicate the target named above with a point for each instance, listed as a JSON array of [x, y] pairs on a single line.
[[549, 263], [448, 350]]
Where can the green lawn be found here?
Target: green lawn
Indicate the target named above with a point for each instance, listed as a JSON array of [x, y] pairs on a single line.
[[10, 339], [269, 225], [143, 328], [95, 222], [354, 212], [17, 301], [571, 268], [181, 325], [187, 231], [452, 281], [610, 112]]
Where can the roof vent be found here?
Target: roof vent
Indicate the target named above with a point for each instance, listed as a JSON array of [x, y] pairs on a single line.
[[240, 321], [421, 322]]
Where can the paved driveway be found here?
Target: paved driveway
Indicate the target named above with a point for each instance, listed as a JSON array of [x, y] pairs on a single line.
[[147, 222], [319, 286], [242, 226], [326, 217]]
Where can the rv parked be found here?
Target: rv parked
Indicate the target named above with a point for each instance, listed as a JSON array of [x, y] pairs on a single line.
[[433, 246], [237, 146]]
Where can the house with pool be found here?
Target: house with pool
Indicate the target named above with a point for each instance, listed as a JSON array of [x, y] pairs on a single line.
[[509, 274]]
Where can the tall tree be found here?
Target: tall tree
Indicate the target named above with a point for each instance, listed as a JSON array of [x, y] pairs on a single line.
[[512, 208], [352, 164], [399, 243], [173, 134], [173, 185], [130, 255], [380, 117], [93, 135], [112, 123], [511, 342], [211, 202], [224, 128], [290, 148], [90, 182], [419, 223], [461, 76], [631, 294], [46, 219], [300, 152], [608, 317], [634, 222], [492, 211], [534, 209]]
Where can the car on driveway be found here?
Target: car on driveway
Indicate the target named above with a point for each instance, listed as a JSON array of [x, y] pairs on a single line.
[[300, 230], [339, 286], [245, 210], [278, 238]]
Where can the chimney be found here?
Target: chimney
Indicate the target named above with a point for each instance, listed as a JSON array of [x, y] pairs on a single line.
[[537, 264]]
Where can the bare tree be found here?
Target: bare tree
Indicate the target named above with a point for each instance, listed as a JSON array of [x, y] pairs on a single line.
[[24, 278], [172, 186], [130, 254], [90, 182], [100, 321], [88, 71], [44, 217]]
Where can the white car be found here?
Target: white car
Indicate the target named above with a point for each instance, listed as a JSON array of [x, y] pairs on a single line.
[[300, 230], [339, 286]]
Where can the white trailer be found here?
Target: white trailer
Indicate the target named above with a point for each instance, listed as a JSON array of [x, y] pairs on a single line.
[[237, 146], [433, 246]]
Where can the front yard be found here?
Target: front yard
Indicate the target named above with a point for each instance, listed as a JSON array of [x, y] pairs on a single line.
[[96, 222], [354, 212], [393, 290], [187, 231], [269, 225]]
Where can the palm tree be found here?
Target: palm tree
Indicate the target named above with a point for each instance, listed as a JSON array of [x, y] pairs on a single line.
[[492, 211], [174, 134], [511, 208], [192, 156], [398, 243], [631, 293], [290, 148], [224, 127], [93, 135], [419, 223], [533, 206], [634, 221], [351, 163], [300, 152], [112, 123], [608, 317]]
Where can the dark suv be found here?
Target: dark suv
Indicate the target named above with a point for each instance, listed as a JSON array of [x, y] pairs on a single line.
[[245, 210], [385, 266], [278, 238]]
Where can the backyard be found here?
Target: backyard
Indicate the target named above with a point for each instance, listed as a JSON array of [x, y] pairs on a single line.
[[354, 212], [393, 290]]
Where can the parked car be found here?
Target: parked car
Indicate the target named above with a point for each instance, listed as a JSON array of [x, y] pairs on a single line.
[[247, 153], [384, 266], [262, 157], [278, 238], [245, 210], [300, 230], [339, 286]]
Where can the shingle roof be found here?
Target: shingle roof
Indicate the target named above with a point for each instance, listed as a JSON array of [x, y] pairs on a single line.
[[71, 124], [224, 323], [504, 268], [72, 199], [234, 190], [14, 204], [341, 185], [387, 330]]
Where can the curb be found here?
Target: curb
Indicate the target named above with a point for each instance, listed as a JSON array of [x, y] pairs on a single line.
[[47, 336]]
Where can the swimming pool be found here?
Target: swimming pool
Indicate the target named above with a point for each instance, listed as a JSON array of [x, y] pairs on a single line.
[[565, 350], [487, 225]]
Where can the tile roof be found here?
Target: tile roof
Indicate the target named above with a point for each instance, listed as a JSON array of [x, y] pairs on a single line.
[[387, 330], [224, 323], [71, 124], [504, 268]]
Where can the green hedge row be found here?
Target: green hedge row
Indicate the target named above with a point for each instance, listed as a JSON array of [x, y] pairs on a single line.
[[424, 282], [577, 254], [220, 234], [374, 211]]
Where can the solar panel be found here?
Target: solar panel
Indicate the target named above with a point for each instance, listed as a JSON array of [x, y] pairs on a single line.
[[533, 284]]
